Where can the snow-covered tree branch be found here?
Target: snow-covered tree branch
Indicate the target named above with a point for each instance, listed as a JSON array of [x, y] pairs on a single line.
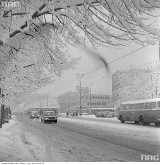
[[34, 62], [34, 36], [113, 22], [127, 85]]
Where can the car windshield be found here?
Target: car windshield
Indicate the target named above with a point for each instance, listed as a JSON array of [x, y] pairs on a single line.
[[103, 112], [49, 113], [34, 113]]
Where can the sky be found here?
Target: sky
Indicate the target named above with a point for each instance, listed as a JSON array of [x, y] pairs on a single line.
[[100, 79]]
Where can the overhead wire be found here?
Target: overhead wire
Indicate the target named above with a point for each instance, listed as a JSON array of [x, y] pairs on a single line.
[[109, 64]]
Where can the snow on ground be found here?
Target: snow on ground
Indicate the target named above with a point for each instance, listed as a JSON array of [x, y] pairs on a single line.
[[139, 132], [17, 146], [20, 145]]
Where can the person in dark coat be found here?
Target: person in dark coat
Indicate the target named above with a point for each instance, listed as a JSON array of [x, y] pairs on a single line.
[[67, 114]]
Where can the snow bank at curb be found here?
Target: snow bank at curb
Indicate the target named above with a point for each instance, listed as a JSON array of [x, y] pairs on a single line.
[[17, 145], [6, 126]]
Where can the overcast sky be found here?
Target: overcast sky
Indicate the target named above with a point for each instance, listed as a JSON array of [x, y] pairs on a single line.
[[69, 79], [100, 79]]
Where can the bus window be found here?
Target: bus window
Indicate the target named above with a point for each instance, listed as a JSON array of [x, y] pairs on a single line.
[[120, 107], [158, 104], [146, 106], [124, 107], [136, 107], [152, 105], [127, 107], [141, 105], [131, 106]]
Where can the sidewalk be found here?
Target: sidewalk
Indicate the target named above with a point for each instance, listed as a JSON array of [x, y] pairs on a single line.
[[15, 145], [5, 140]]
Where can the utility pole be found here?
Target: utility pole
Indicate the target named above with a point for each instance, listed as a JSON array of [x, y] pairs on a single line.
[[159, 50], [151, 84], [156, 91], [40, 103], [80, 106], [69, 106], [47, 100], [90, 99]]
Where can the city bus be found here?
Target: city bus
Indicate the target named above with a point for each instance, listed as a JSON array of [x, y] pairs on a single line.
[[142, 111], [55, 109], [103, 112], [42, 109]]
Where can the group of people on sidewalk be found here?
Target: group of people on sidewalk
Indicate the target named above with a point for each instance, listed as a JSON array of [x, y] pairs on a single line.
[[72, 114]]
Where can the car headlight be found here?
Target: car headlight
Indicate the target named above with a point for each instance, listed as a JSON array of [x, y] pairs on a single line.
[[46, 118]]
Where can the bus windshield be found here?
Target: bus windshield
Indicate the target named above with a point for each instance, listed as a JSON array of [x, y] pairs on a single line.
[[49, 113]]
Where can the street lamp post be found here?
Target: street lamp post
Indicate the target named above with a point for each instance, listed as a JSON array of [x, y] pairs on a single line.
[[90, 98], [69, 106], [47, 99], [80, 76]]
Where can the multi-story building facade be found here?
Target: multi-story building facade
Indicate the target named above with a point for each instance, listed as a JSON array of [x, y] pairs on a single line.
[[71, 100], [96, 101], [134, 84]]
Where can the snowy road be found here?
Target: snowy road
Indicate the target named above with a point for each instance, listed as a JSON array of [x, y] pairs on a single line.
[[79, 139]]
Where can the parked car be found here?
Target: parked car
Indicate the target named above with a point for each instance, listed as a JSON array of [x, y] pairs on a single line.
[[34, 114]]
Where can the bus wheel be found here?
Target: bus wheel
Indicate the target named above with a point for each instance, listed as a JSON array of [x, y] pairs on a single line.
[[146, 123], [157, 124], [141, 119], [121, 119], [136, 122]]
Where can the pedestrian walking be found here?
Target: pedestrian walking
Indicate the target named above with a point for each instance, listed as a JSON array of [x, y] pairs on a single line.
[[67, 114]]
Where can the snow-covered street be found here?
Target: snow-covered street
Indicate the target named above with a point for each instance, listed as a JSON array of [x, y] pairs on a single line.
[[19, 145], [76, 139], [80, 64]]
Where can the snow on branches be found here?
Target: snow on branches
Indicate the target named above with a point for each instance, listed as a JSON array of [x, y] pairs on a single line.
[[110, 22], [127, 85], [34, 36], [42, 56]]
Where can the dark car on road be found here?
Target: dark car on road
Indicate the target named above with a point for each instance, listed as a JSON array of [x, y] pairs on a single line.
[[34, 114]]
